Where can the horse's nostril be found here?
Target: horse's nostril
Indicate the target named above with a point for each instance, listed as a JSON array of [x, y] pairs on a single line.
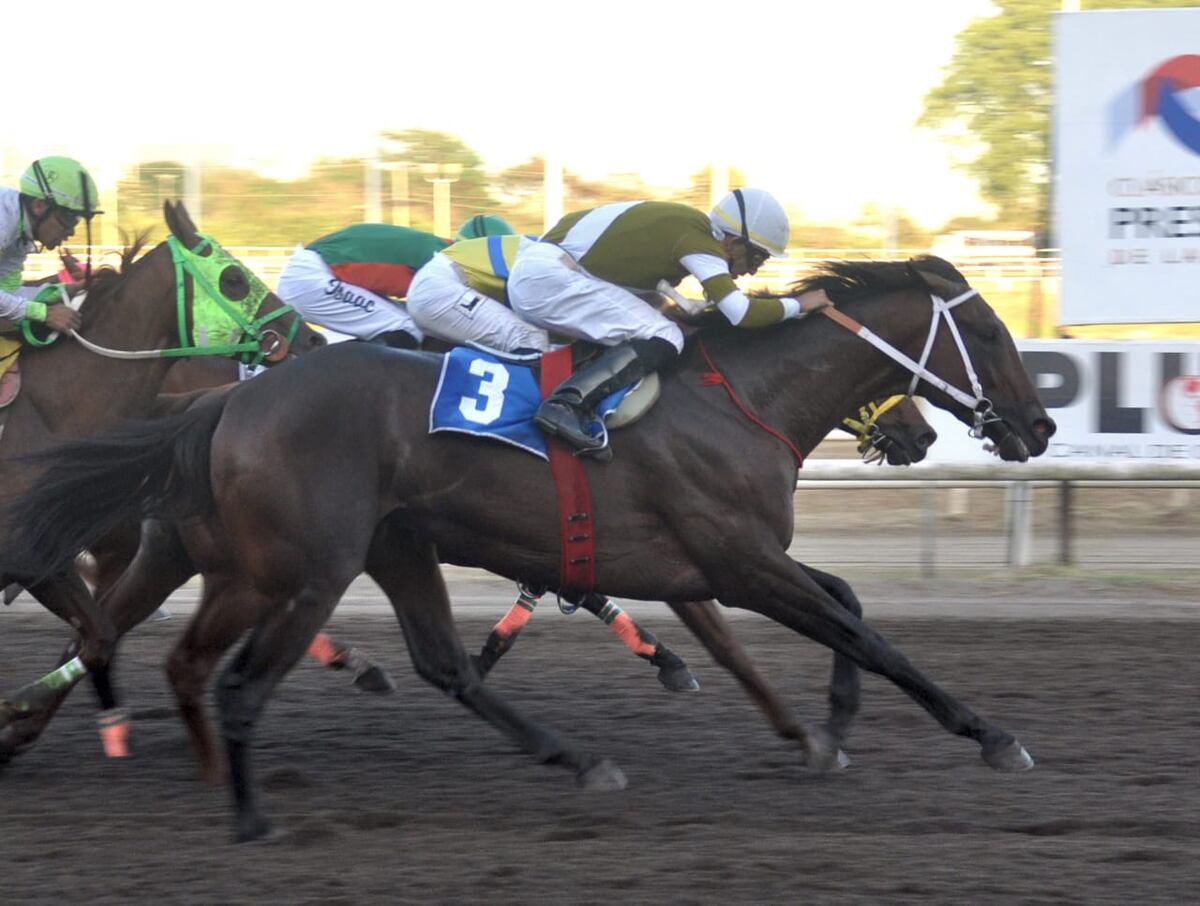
[[1045, 427], [926, 439]]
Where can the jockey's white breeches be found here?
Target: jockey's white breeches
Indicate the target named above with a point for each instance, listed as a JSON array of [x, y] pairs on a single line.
[[445, 306], [548, 288], [309, 286]]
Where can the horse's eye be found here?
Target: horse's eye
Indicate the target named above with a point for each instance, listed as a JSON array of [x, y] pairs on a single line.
[[234, 285]]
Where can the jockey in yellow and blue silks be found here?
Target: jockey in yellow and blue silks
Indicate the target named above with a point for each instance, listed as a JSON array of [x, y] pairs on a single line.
[[54, 193], [460, 296]]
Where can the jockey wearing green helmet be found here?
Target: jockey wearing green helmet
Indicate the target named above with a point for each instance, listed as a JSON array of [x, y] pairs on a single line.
[[484, 225], [54, 193]]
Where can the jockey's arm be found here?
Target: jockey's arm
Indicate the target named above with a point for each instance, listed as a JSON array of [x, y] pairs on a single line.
[[748, 311], [20, 304]]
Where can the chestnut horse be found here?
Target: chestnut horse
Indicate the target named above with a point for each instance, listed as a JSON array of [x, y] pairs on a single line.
[[696, 504], [70, 390]]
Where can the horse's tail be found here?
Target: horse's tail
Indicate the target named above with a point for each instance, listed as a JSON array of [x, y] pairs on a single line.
[[91, 486]]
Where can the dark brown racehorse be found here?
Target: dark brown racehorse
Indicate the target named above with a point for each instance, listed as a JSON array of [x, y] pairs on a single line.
[[70, 391], [696, 504]]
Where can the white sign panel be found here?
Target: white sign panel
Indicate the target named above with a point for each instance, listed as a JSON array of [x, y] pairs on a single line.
[[1127, 156], [1114, 401]]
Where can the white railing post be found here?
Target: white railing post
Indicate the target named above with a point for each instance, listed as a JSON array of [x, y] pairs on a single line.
[[1020, 523]]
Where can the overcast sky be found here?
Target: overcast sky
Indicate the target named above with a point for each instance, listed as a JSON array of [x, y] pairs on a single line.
[[815, 102]]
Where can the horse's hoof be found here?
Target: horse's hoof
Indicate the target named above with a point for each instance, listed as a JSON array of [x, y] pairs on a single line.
[[823, 754], [251, 828], [678, 679], [375, 679], [1010, 757], [602, 777]]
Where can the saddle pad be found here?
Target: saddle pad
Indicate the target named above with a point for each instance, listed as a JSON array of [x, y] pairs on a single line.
[[482, 395]]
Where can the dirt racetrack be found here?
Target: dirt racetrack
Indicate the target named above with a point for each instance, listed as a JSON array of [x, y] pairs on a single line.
[[409, 798]]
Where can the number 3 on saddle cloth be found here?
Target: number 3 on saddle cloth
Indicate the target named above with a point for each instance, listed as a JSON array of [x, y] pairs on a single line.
[[490, 394]]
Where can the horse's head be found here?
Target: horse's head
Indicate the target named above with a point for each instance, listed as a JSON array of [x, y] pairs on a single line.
[[228, 297], [971, 365], [893, 430], [1006, 409]]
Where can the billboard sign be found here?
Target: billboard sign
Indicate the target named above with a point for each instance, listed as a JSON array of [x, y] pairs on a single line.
[[1113, 401], [1127, 162]]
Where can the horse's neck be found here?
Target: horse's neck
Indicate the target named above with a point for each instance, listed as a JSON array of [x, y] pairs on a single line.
[[804, 377], [75, 389]]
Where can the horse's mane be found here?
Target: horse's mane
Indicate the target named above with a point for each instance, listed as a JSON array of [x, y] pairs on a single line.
[[106, 277], [846, 280]]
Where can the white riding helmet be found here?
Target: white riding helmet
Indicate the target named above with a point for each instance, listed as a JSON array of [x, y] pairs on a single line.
[[757, 217]]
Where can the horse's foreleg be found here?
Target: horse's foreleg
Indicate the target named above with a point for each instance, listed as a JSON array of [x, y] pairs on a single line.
[[779, 589], [845, 684], [706, 623], [407, 571], [23, 719], [672, 671], [131, 586]]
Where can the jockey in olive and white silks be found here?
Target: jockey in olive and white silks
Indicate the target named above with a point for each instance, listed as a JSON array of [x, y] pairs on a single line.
[[460, 296], [574, 283]]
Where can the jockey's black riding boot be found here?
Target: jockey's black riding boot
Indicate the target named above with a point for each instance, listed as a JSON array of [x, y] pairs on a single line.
[[565, 412], [398, 339]]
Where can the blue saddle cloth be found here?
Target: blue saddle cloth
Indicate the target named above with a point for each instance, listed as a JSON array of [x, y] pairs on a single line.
[[486, 396]]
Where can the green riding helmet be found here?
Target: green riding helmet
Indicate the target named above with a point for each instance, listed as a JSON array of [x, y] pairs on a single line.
[[484, 225], [63, 182]]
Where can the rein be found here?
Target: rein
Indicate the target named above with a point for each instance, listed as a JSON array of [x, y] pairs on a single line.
[[714, 378]]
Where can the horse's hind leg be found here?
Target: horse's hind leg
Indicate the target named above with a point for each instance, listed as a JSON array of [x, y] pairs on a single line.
[[274, 647], [706, 623], [672, 671], [226, 610], [406, 568]]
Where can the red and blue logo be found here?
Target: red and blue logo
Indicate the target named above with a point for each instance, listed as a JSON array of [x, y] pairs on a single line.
[[1167, 94]]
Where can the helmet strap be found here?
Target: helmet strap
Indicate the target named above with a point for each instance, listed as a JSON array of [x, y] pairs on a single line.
[[36, 220], [741, 203]]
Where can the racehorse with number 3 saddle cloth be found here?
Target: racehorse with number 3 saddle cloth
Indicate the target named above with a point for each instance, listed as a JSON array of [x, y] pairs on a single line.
[[697, 502]]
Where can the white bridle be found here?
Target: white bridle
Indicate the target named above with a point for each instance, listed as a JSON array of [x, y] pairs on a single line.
[[979, 404]]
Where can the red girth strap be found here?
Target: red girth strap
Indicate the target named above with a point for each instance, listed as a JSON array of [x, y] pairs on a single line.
[[577, 568]]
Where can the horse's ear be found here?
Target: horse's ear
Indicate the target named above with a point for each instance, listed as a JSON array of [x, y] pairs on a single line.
[[180, 224], [916, 273]]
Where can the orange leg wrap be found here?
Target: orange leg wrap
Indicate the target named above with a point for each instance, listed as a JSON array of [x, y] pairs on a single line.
[[518, 615], [627, 631], [114, 733], [323, 649]]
